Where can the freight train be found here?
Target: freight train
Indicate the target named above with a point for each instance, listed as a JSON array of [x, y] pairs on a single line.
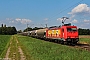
[[65, 34]]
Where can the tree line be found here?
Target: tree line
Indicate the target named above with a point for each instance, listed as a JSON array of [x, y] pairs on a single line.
[[84, 31], [7, 30]]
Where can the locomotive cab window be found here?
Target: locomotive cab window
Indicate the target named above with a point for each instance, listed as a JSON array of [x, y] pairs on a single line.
[[71, 29]]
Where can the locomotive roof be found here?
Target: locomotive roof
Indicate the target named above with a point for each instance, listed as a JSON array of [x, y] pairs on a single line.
[[61, 27]]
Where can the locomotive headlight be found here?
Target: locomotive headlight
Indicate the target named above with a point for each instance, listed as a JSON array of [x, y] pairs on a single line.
[[76, 36], [68, 37]]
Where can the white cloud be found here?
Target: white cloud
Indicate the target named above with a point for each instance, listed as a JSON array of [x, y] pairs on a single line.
[[18, 19], [9, 18], [81, 9], [86, 21], [23, 21], [12, 21], [59, 19], [75, 21], [71, 17], [46, 19]]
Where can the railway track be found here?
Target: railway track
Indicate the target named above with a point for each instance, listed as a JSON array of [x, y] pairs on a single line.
[[79, 45], [82, 46]]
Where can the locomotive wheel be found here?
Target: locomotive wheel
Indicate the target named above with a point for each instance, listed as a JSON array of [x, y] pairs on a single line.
[[73, 44], [50, 40], [56, 41], [62, 42], [66, 43]]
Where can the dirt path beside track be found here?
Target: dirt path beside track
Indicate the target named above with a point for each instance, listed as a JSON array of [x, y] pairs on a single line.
[[14, 51]]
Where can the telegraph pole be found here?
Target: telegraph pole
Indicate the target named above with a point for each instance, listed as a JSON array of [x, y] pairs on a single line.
[[46, 25], [27, 27]]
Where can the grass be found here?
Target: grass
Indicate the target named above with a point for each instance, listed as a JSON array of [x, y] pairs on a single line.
[[43, 50], [26, 53], [84, 39], [4, 42]]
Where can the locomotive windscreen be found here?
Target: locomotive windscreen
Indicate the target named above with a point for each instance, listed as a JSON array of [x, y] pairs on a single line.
[[71, 29]]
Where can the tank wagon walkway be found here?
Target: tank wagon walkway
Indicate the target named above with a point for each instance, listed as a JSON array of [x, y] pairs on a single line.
[[14, 51]]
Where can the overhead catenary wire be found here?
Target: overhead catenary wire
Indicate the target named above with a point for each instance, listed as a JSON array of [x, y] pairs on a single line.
[[65, 9]]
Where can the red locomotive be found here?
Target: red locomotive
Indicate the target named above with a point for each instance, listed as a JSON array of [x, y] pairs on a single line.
[[65, 33]]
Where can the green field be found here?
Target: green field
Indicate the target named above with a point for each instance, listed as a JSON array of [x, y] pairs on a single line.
[[84, 38], [4, 41], [36, 49]]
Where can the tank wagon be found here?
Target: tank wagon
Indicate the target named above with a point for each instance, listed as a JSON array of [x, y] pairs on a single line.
[[24, 33], [63, 34]]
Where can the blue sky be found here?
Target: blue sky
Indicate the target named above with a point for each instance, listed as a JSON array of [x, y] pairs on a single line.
[[37, 13]]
